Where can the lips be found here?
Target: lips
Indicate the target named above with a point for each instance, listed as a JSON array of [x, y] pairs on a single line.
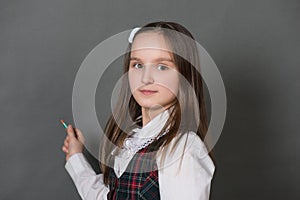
[[148, 92]]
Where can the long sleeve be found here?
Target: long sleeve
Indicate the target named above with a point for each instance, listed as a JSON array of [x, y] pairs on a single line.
[[189, 178], [89, 185]]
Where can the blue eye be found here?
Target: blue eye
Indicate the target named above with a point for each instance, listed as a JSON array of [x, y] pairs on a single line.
[[138, 66], [162, 67]]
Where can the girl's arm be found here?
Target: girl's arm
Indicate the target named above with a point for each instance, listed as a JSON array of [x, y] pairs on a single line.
[[88, 184], [189, 178]]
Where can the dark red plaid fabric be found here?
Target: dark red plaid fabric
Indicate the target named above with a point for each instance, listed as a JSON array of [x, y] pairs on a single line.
[[134, 185]]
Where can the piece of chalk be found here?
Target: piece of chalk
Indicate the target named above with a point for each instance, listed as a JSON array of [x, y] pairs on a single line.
[[63, 123]]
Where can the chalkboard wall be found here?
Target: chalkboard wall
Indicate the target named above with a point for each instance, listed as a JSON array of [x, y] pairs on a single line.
[[255, 45]]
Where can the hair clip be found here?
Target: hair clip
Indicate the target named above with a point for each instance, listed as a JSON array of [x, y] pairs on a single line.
[[132, 33]]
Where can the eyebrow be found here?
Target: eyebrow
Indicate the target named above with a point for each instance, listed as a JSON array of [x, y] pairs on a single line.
[[156, 60]]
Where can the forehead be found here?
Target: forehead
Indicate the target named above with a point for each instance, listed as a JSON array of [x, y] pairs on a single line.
[[150, 40], [150, 44]]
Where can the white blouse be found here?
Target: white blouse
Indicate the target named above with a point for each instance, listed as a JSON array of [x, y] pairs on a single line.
[[183, 174]]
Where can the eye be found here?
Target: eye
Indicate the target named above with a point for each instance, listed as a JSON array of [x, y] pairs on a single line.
[[137, 65], [162, 67]]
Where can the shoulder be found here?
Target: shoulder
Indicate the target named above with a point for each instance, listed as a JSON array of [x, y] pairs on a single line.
[[184, 149], [186, 173]]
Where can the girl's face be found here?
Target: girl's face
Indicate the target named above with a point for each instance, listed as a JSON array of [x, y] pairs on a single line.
[[153, 76]]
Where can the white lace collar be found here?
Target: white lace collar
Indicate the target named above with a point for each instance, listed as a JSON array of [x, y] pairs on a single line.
[[146, 133], [140, 139]]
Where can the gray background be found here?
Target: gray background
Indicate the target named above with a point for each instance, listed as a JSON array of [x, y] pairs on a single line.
[[254, 43]]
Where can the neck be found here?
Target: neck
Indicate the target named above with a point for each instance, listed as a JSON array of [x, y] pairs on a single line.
[[149, 113]]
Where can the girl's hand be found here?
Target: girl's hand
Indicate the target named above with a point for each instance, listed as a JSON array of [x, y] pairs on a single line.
[[73, 144]]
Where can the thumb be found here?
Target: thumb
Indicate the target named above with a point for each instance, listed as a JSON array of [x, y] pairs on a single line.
[[80, 135]]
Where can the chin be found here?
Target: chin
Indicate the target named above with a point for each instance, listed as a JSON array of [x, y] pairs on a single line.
[[154, 107], [149, 105]]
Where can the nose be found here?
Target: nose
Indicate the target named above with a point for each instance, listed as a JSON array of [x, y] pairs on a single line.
[[147, 77]]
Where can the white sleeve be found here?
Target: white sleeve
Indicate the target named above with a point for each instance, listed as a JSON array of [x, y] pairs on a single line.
[[189, 178], [89, 185]]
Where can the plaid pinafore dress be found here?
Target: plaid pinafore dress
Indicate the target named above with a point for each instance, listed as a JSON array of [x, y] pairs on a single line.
[[133, 185]]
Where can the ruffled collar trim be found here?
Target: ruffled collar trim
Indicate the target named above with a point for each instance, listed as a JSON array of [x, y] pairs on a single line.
[[138, 140]]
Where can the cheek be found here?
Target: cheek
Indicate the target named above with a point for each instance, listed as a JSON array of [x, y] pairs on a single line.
[[171, 84], [134, 81]]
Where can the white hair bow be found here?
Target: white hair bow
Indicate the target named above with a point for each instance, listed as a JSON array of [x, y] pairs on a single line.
[[132, 33]]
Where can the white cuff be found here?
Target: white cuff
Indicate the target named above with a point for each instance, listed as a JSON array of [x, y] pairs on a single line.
[[77, 164]]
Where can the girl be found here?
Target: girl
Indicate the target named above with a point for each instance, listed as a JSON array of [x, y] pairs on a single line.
[[153, 143]]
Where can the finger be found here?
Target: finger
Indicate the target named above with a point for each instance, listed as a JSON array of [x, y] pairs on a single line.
[[64, 149], [70, 132], [66, 144], [67, 140]]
